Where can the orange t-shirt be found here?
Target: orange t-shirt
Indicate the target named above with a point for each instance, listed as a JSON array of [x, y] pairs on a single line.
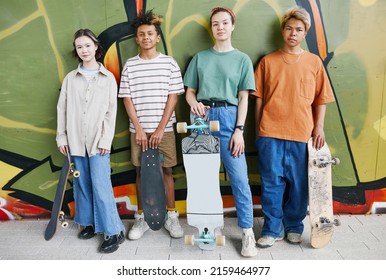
[[289, 91]]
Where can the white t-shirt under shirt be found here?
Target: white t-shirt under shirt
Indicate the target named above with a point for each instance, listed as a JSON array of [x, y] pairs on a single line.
[[148, 83]]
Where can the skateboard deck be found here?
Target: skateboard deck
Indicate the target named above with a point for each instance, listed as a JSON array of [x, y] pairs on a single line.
[[204, 207], [153, 189], [320, 195], [56, 213]]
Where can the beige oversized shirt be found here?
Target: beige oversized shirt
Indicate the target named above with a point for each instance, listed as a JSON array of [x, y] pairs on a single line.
[[87, 112]]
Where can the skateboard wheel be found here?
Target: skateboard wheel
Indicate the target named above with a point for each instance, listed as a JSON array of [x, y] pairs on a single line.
[[336, 161], [220, 240], [64, 224], [189, 239], [76, 173], [214, 126], [182, 127]]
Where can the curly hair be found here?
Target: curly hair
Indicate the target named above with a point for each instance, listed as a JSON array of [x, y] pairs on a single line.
[[148, 18]]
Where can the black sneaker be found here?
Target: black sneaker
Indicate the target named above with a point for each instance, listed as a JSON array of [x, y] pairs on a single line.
[[111, 243], [87, 233]]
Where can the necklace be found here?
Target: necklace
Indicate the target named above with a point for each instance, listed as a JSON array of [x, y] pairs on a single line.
[[293, 62]]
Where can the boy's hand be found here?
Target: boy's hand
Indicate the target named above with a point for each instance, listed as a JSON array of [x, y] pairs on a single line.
[[155, 138], [318, 138], [141, 139]]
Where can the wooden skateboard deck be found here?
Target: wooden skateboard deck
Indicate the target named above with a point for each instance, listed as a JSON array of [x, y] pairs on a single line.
[[57, 214], [320, 195], [153, 189], [204, 207]]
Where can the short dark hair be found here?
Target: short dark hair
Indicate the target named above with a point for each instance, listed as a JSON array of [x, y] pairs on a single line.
[[87, 32], [148, 18]]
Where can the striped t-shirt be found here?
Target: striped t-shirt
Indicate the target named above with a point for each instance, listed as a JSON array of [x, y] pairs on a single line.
[[148, 83], [89, 74]]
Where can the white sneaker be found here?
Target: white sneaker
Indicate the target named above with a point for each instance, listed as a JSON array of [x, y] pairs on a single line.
[[267, 241], [139, 227], [248, 245], [173, 225]]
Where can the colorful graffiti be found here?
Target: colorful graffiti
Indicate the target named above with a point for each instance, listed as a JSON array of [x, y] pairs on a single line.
[[35, 51]]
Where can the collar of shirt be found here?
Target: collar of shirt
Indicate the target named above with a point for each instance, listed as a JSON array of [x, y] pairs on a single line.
[[102, 69]]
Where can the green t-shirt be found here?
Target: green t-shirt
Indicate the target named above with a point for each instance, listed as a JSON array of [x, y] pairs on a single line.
[[220, 76]]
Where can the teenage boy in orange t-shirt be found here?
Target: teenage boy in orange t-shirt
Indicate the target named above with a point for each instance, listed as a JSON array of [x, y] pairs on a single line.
[[292, 89]]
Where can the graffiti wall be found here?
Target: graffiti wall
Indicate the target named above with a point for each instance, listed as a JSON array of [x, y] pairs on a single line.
[[35, 55]]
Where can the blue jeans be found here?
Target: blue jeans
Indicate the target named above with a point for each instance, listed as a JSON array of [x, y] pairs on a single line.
[[284, 193], [236, 168], [93, 195]]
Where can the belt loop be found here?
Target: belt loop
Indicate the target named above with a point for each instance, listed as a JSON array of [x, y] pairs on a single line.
[[213, 104]]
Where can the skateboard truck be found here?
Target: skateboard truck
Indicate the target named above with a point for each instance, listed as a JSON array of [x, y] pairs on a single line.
[[326, 222], [322, 162], [62, 219], [206, 237], [73, 171], [199, 125]]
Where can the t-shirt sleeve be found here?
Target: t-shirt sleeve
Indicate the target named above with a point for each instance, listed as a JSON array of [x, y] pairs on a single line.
[[176, 84], [191, 74], [324, 93], [247, 81], [259, 79], [124, 86]]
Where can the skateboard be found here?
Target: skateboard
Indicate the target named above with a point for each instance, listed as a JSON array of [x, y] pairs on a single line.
[[57, 215], [320, 195], [153, 189], [204, 208]]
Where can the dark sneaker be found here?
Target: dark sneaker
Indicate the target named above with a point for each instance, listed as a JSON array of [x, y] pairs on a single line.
[[111, 243], [87, 233]]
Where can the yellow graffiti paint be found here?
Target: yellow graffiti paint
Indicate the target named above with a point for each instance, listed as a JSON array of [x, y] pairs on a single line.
[[367, 3], [4, 122], [380, 127], [7, 173]]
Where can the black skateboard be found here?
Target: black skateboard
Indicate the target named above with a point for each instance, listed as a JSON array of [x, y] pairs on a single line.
[[153, 189], [57, 214]]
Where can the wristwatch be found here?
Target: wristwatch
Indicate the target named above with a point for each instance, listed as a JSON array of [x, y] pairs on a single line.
[[241, 127]]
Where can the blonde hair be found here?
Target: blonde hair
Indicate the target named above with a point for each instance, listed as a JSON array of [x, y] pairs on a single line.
[[298, 13]]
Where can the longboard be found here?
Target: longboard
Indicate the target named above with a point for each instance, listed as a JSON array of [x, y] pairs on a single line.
[[204, 207]]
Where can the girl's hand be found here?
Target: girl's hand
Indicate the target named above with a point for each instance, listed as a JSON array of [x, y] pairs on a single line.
[[199, 109], [64, 149], [104, 152], [237, 143]]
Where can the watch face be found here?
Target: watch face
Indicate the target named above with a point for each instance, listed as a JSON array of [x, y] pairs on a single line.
[[241, 127]]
